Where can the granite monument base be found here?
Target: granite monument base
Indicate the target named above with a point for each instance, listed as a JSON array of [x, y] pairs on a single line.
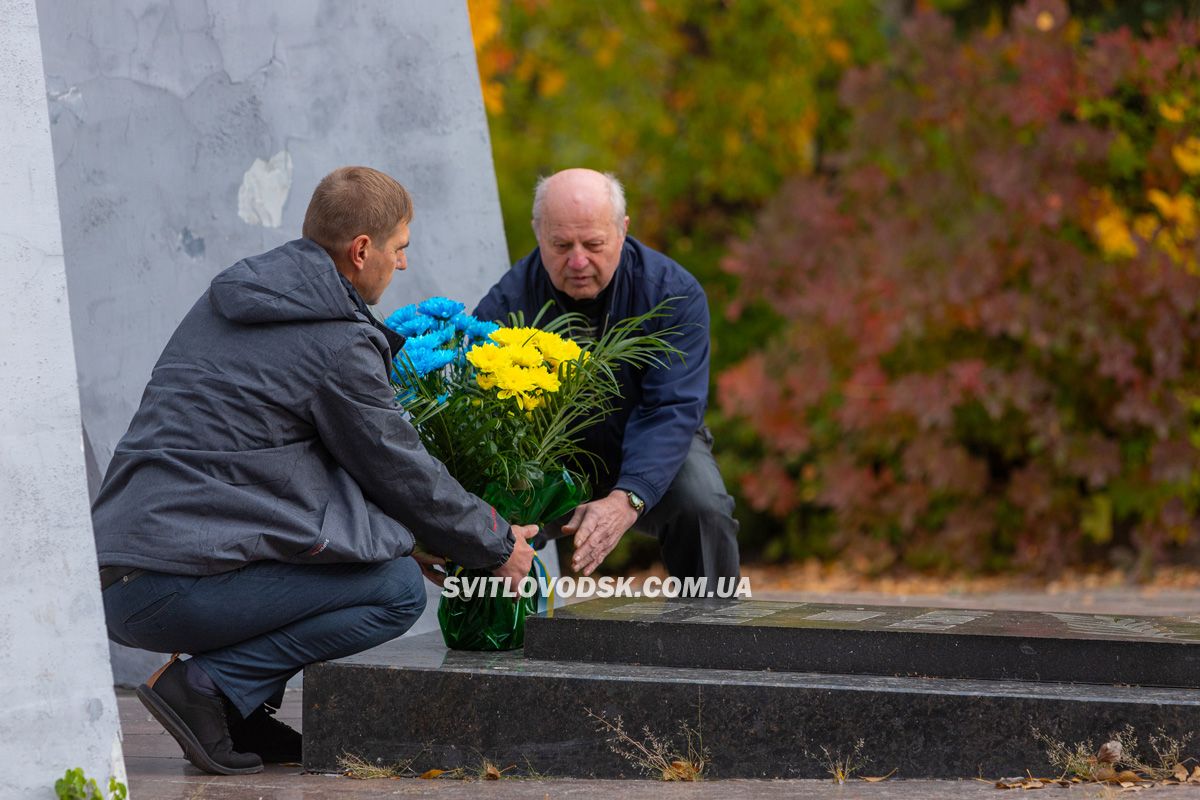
[[874, 640], [414, 701]]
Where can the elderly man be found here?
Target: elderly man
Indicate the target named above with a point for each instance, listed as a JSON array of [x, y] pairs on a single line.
[[260, 512], [659, 475]]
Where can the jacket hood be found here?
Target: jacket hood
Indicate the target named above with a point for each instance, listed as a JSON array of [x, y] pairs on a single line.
[[294, 282]]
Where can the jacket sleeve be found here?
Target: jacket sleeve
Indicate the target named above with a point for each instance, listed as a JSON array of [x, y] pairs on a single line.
[[660, 429], [358, 421], [495, 305]]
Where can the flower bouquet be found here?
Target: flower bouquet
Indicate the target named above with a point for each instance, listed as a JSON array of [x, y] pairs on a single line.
[[503, 408]]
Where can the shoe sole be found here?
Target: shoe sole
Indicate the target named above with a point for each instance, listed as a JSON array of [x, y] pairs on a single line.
[[183, 735]]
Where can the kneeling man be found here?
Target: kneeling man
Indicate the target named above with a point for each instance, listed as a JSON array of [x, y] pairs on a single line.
[[656, 469], [260, 512]]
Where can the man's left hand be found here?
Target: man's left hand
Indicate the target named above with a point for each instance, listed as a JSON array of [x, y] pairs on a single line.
[[597, 527], [427, 563]]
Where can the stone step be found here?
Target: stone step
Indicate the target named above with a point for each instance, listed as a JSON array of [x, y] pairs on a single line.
[[873, 640], [413, 699]]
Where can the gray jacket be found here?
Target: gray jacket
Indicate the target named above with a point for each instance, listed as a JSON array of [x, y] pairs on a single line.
[[269, 431]]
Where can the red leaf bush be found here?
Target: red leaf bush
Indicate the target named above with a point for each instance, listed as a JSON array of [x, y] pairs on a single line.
[[990, 354]]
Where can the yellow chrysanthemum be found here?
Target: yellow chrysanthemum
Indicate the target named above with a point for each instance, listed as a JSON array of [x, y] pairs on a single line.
[[521, 364], [545, 380], [1187, 155], [512, 379], [486, 357], [524, 355], [556, 349], [510, 337]]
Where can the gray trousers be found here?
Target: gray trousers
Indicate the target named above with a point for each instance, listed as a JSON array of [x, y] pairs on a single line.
[[694, 524]]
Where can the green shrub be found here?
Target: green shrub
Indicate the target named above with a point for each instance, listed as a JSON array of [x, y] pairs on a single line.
[[74, 785]]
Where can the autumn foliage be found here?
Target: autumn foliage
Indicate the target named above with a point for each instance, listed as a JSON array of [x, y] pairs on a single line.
[[702, 109], [991, 348]]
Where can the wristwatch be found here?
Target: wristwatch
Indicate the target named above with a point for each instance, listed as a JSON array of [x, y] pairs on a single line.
[[639, 505]]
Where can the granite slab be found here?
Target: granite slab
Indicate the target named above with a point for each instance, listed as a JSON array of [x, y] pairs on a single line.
[[873, 640], [413, 701]]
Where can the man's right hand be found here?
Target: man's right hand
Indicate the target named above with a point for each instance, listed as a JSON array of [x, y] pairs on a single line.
[[521, 559]]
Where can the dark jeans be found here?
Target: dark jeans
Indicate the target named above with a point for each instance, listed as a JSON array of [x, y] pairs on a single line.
[[254, 628], [694, 524]]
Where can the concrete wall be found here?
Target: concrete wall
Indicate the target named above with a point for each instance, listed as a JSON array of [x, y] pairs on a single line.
[[188, 135], [57, 707]]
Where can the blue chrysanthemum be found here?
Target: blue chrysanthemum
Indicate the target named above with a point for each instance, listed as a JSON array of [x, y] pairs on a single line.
[[436, 333], [401, 316], [425, 360], [440, 307], [473, 328], [437, 337], [416, 326]]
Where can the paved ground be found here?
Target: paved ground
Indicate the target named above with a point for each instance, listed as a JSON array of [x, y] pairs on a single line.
[[157, 770]]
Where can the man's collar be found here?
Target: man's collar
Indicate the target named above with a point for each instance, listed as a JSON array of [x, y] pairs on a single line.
[[395, 341]]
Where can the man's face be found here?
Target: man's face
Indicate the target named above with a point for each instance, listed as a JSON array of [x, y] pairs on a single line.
[[581, 246], [380, 264]]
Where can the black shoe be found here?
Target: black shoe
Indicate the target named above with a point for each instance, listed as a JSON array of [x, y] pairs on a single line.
[[197, 722], [271, 739]]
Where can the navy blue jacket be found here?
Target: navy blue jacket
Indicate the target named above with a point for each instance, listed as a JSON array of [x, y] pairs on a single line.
[[644, 441], [269, 431]]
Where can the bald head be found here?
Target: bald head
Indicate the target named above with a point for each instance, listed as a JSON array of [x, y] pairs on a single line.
[[579, 187], [580, 223]]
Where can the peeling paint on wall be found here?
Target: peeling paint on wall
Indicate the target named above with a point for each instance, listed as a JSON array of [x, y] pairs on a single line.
[[264, 190], [190, 243]]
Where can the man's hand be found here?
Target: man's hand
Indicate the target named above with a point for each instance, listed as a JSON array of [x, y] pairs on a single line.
[[427, 563], [597, 527], [521, 559]]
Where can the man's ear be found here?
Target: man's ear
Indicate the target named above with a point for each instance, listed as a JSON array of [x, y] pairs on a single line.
[[356, 251], [625, 227]]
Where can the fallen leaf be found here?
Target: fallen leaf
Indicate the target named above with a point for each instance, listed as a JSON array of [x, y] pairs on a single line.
[[1126, 776], [490, 773], [1109, 752], [680, 771], [881, 777], [1032, 785], [1181, 772], [1195, 776], [432, 773]]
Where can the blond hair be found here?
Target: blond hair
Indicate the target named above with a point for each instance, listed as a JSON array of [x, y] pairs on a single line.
[[352, 201]]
